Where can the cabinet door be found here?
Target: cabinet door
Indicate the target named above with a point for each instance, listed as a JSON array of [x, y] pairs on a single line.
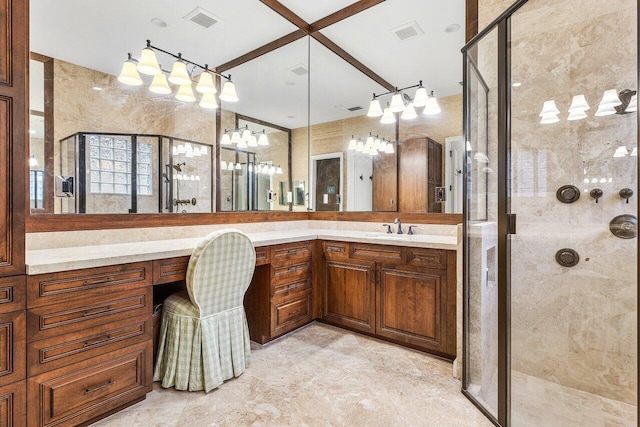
[[13, 405], [411, 307], [349, 294]]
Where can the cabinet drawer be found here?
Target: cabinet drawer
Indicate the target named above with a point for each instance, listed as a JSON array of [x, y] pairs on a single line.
[[288, 315], [285, 290], [13, 405], [13, 293], [262, 255], [422, 257], [79, 393], [68, 285], [170, 270], [290, 253], [73, 316], [335, 250], [377, 253], [290, 273], [12, 347], [63, 350]]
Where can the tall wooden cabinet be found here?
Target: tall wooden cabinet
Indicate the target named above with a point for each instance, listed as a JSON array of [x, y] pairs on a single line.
[[14, 25], [419, 173]]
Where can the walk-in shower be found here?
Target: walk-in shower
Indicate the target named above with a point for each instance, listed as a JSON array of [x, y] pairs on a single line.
[[550, 302]]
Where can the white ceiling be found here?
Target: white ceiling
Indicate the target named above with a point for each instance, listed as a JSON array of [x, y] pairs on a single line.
[[98, 35]]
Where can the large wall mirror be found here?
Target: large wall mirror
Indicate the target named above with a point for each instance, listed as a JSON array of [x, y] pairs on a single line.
[[100, 146]]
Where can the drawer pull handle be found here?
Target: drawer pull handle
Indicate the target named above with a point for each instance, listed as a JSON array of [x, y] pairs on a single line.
[[291, 269], [97, 341], [98, 311], [100, 387], [294, 312], [97, 282]]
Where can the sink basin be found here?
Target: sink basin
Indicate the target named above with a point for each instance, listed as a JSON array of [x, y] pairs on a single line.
[[386, 236]]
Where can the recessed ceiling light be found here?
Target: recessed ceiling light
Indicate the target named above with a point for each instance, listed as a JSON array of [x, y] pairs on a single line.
[[517, 84], [452, 28], [159, 23], [96, 88]]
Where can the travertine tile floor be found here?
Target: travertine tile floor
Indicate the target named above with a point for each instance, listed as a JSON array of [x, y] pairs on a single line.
[[319, 376]]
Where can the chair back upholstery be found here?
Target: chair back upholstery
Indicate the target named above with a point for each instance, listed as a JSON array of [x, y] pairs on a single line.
[[220, 271]]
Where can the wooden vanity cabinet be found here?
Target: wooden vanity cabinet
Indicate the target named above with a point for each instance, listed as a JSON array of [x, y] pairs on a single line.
[[89, 342], [405, 295], [279, 298]]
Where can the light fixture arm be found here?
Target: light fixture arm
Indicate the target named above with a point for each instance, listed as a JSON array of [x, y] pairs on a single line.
[[180, 58], [396, 90]]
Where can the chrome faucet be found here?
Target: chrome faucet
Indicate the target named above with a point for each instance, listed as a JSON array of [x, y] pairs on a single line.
[[397, 221]]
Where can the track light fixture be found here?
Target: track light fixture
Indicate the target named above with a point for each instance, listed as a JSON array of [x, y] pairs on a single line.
[[404, 104], [243, 137], [371, 145], [179, 76]]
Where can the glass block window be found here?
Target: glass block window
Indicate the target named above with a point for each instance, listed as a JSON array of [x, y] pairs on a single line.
[[110, 165]]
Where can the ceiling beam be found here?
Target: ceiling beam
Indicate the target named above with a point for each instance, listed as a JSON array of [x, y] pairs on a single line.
[[342, 14], [351, 60], [287, 14], [262, 50], [471, 29]]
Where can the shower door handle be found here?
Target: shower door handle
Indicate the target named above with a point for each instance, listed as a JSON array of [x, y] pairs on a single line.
[[511, 223]]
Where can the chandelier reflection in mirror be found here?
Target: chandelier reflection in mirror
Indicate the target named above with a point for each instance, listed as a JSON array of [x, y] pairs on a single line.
[[402, 103], [243, 137], [612, 102], [179, 76], [372, 145]]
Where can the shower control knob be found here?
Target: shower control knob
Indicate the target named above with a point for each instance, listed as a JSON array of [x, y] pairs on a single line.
[[624, 226], [568, 193], [596, 193], [626, 193], [567, 257]]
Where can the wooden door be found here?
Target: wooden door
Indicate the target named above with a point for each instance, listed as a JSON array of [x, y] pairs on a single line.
[[14, 27], [385, 183], [434, 174], [349, 294], [411, 306], [412, 175], [328, 184]]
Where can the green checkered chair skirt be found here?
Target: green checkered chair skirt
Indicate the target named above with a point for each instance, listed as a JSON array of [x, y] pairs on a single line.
[[204, 337]]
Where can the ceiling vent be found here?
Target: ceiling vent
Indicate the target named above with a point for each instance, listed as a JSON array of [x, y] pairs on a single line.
[[299, 70], [202, 18], [407, 31], [356, 108]]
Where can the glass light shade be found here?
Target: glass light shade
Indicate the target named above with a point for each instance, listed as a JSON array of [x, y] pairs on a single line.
[[279, 170], [196, 151], [229, 92], [577, 115], [263, 140], [253, 141], [205, 83], [209, 101], [397, 104], [360, 146], [421, 98], [246, 134], [370, 142], [375, 110], [160, 85], [33, 162], [185, 94], [605, 110], [633, 104], [432, 107], [352, 144], [373, 151], [481, 158], [179, 74], [197, 177], [129, 74], [203, 150], [226, 140], [578, 103], [610, 98], [378, 142], [235, 137], [148, 63], [238, 166], [223, 165], [179, 177], [549, 107], [409, 113], [250, 168], [389, 149], [242, 143], [230, 166], [621, 151], [189, 154], [549, 118], [469, 148], [634, 152], [181, 149], [192, 177], [387, 117], [188, 147]]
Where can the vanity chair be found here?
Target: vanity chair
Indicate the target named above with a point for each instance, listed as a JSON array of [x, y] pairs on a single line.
[[204, 338]]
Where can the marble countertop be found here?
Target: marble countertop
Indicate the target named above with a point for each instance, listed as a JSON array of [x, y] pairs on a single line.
[[73, 258]]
